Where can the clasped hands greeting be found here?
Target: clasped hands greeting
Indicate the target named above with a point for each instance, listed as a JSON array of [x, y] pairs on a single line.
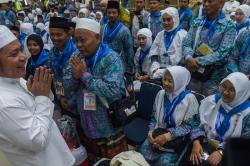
[[40, 84], [160, 140], [78, 67]]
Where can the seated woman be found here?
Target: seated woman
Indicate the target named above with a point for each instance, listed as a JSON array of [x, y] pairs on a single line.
[[167, 46], [222, 116], [142, 60], [242, 17], [39, 57], [172, 121]]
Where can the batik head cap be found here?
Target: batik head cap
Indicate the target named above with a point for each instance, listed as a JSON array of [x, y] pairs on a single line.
[[6, 36]]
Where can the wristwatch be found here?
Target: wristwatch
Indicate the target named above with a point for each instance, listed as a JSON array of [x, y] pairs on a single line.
[[220, 151]]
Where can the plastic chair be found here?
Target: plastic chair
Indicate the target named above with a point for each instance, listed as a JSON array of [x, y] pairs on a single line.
[[136, 129]]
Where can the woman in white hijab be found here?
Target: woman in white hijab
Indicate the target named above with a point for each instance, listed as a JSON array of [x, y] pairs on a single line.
[[83, 13], [222, 116], [174, 112], [167, 46], [242, 15], [41, 30], [26, 29], [99, 16], [142, 60]]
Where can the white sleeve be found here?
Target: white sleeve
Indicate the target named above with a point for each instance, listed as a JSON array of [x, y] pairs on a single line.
[[26, 127]]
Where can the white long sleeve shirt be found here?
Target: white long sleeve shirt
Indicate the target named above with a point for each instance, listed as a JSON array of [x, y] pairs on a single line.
[[28, 134]]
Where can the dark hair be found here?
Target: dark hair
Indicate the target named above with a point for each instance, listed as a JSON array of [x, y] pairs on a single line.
[[14, 28]]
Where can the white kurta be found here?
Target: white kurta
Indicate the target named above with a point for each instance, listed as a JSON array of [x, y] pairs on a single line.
[[28, 134], [174, 52], [208, 115]]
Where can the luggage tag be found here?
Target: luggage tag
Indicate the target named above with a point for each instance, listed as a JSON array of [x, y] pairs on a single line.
[[89, 101], [59, 88], [205, 50]]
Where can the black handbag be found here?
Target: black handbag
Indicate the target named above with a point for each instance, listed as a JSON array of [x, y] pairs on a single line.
[[203, 75], [117, 111], [176, 146]]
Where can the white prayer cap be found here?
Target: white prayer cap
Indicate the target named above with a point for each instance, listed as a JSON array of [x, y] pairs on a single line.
[[86, 23], [4, 1], [6, 36], [173, 12], [39, 11]]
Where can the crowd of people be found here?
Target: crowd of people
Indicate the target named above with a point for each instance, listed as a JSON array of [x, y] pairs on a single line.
[[74, 60]]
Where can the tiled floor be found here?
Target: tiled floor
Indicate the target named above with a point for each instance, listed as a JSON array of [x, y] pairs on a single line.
[[3, 161]]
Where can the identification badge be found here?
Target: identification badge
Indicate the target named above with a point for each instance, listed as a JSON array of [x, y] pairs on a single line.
[[59, 88], [89, 101], [205, 50]]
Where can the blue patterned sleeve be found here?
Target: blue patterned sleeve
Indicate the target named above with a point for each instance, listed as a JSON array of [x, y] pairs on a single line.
[[234, 60], [223, 50], [245, 132], [110, 84], [188, 41]]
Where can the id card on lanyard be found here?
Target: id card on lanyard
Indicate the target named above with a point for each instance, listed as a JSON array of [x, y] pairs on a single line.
[[59, 88], [89, 101]]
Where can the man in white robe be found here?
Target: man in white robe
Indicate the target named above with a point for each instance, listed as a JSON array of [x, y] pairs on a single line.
[[28, 134]]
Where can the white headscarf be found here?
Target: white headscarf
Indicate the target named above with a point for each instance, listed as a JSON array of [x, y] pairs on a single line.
[[146, 32], [92, 16], [85, 11], [173, 12], [181, 77], [242, 89], [246, 10], [41, 26], [26, 28]]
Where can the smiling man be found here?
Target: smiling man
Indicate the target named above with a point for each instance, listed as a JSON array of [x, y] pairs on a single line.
[[59, 57], [28, 134]]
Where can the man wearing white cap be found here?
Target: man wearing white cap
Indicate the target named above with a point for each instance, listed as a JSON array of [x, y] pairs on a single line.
[[100, 80], [28, 134], [7, 17]]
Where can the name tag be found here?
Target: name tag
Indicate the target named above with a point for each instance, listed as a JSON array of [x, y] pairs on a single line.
[[59, 88], [89, 101]]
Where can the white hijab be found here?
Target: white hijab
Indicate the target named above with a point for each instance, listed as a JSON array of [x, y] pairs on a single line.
[[26, 28], [242, 89], [181, 77], [246, 10], [173, 12], [146, 32], [41, 26], [85, 11]]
